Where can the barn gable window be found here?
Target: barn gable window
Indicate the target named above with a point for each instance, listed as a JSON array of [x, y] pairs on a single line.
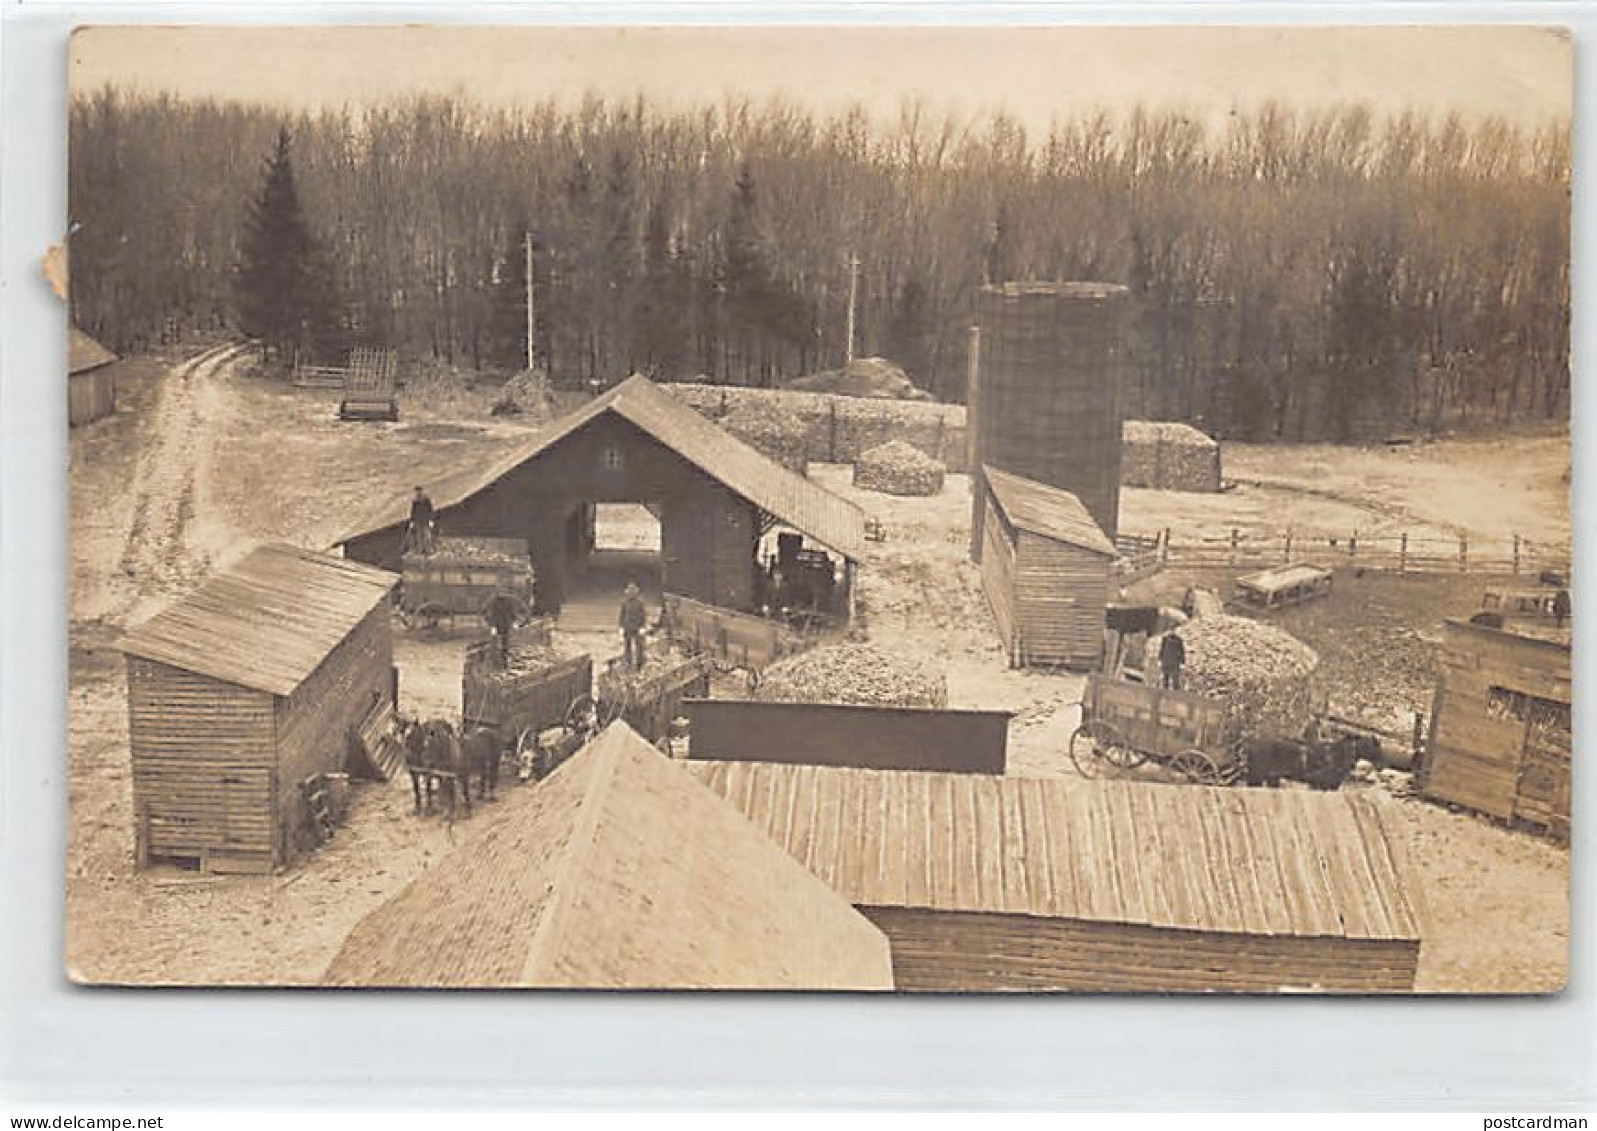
[[612, 459]]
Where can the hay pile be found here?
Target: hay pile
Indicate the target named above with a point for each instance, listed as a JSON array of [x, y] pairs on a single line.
[[1168, 457], [852, 673], [863, 377], [1262, 676], [773, 430], [526, 394], [897, 468]]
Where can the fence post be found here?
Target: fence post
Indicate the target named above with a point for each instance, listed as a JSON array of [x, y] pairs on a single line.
[[1463, 554], [831, 443], [941, 423], [1516, 555], [1352, 546], [1402, 553], [1233, 545], [1164, 549], [1286, 553]]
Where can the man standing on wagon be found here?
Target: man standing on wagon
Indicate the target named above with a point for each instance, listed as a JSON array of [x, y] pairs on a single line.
[[633, 619], [421, 522], [1172, 654]]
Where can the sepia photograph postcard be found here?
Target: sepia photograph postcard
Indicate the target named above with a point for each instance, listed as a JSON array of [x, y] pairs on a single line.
[[861, 509]]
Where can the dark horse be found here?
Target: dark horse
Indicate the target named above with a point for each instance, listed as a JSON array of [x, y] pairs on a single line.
[[482, 748], [433, 753], [1323, 765]]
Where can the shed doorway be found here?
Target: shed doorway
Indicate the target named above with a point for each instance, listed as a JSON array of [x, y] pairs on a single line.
[[610, 544]]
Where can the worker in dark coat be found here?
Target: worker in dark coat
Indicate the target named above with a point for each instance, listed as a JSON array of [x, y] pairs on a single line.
[[501, 614], [1172, 654], [422, 523], [633, 619], [1561, 607]]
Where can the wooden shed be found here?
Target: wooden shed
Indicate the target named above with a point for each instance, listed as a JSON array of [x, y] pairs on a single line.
[[1500, 735], [619, 871], [1045, 567], [713, 495], [998, 883], [243, 691], [91, 384]]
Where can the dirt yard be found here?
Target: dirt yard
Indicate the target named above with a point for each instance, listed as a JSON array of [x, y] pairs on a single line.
[[202, 459]]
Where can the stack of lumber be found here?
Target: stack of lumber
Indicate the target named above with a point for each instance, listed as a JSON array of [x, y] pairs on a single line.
[[1168, 456], [777, 432], [1263, 677], [853, 673], [897, 468]]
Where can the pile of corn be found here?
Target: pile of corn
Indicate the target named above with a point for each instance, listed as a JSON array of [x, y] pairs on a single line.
[[527, 393], [852, 673], [777, 432], [615, 683], [1262, 676], [898, 468]]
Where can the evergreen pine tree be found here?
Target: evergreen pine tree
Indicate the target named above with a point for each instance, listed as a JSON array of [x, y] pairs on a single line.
[[285, 286]]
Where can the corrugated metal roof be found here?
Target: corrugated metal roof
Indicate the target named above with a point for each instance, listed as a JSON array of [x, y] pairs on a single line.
[[791, 499], [1051, 512], [84, 353], [619, 872], [266, 622], [1254, 861]]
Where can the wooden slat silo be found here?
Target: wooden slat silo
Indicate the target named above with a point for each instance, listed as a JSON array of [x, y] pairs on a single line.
[[1048, 391]]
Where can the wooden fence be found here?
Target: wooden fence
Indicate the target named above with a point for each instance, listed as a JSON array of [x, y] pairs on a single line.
[[1398, 553]]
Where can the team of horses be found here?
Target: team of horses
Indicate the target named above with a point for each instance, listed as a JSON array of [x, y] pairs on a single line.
[[1320, 765], [437, 756]]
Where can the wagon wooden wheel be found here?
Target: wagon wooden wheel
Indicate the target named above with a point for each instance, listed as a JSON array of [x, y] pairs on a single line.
[[531, 758], [429, 616], [1099, 750], [1197, 767]]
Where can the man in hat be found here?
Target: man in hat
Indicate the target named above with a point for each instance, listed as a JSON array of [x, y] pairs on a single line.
[[422, 518], [633, 618], [1172, 654]]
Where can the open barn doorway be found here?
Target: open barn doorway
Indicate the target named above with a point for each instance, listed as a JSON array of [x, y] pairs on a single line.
[[609, 545]]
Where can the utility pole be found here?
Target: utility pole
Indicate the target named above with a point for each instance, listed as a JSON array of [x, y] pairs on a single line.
[[532, 351], [853, 296]]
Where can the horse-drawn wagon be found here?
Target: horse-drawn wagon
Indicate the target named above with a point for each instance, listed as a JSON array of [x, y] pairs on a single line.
[[1284, 585], [526, 691], [1125, 726], [461, 576], [729, 640], [650, 701]]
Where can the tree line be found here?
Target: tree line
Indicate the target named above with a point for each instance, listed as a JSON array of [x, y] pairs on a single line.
[[1296, 274]]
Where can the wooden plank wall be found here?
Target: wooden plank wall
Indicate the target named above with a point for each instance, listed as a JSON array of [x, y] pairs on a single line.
[[1502, 766], [1060, 594], [314, 722], [90, 395], [830, 734], [998, 576], [977, 951], [202, 768]]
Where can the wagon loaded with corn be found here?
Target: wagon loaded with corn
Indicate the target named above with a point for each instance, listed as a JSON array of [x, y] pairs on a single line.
[[460, 577], [1241, 679], [650, 700], [538, 700]]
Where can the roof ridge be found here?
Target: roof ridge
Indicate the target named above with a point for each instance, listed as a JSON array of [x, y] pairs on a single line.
[[574, 855]]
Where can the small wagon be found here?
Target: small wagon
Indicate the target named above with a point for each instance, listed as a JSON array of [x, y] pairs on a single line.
[[532, 694], [1283, 586], [730, 640], [461, 576], [649, 702], [1124, 725]]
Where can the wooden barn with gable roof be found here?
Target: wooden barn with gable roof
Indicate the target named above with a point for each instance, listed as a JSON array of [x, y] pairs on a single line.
[[243, 691], [713, 495], [620, 871], [1000, 883], [1045, 567]]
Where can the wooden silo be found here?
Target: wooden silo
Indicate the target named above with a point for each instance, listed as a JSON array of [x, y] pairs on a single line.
[[1045, 567], [242, 692], [1048, 391]]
